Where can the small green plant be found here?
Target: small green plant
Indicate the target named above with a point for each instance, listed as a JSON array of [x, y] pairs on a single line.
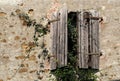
[[39, 29], [70, 73]]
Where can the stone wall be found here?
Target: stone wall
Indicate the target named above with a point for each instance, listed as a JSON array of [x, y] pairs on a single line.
[[16, 38]]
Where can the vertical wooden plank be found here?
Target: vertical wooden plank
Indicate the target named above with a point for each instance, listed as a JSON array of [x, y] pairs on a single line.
[[82, 40], [58, 43], [86, 24], [53, 30], [60, 40], [63, 36], [95, 41], [90, 43], [79, 39]]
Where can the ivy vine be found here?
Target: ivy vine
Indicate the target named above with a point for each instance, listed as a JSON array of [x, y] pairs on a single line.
[[39, 31]]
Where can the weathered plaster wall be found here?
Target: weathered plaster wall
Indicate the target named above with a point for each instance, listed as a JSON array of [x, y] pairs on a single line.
[[15, 38]]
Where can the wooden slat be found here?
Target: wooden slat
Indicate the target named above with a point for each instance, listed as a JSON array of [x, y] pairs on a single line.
[[80, 53], [63, 37], [58, 43], [66, 35], [82, 40], [88, 40], [93, 53], [59, 39], [79, 39], [86, 24], [54, 42], [95, 41]]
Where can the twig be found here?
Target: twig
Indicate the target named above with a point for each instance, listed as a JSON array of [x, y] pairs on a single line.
[[20, 66]]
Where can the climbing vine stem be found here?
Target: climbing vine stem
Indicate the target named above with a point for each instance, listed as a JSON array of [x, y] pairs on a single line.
[[39, 31]]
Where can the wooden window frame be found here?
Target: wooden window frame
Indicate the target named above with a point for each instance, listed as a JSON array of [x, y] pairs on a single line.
[[88, 39]]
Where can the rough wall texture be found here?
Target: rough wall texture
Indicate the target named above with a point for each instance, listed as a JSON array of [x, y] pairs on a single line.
[[15, 38]]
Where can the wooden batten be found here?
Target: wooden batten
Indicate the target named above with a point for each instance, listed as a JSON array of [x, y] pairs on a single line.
[[63, 37], [88, 40], [95, 40], [82, 40], [53, 30], [59, 39]]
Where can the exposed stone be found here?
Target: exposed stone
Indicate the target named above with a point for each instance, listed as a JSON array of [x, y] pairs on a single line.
[[18, 11], [40, 77], [2, 14], [22, 70], [13, 32], [0, 33], [32, 71], [25, 46], [23, 38], [30, 11], [17, 38], [6, 57], [24, 65], [1, 79], [4, 40], [8, 78], [46, 70], [21, 4], [11, 26], [32, 58], [20, 57], [31, 44]]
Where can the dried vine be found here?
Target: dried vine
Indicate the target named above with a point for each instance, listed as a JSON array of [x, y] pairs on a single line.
[[39, 31]]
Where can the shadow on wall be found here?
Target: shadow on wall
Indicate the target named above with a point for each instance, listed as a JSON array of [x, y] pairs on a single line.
[[116, 80]]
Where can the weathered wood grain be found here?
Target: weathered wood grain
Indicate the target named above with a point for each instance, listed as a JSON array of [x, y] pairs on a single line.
[[88, 40], [53, 30], [86, 50], [82, 40], [95, 41], [59, 39], [63, 36]]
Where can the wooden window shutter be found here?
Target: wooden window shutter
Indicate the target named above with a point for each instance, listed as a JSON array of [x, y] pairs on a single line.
[[88, 39], [59, 39]]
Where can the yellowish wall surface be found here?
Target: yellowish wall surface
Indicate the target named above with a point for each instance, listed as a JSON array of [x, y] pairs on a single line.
[[15, 38]]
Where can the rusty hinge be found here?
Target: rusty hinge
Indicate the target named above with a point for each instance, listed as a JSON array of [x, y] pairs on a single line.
[[95, 18], [99, 53], [54, 20]]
